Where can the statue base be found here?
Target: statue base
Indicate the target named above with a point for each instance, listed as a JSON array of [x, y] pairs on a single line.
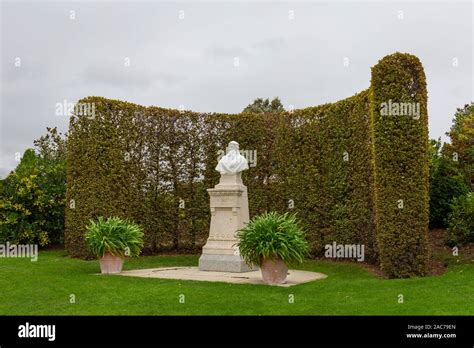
[[223, 263], [229, 213]]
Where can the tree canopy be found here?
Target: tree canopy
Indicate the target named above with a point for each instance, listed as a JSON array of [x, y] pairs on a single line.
[[263, 106]]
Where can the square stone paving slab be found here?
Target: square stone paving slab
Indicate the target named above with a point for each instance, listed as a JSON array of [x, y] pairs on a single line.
[[193, 273]]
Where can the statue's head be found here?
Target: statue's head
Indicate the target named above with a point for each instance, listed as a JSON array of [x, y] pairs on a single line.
[[233, 162], [233, 145]]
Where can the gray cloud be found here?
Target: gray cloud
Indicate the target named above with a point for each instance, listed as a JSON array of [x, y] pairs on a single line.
[[270, 44], [190, 61], [224, 52], [127, 77]]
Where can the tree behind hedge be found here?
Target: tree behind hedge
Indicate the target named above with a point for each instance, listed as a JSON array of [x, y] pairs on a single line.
[[262, 106], [32, 197], [446, 183], [461, 148]]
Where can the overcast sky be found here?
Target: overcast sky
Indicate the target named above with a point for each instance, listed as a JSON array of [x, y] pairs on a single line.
[[294, 50]]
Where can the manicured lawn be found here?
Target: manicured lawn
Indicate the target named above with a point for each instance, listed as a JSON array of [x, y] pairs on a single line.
[[44, 288]]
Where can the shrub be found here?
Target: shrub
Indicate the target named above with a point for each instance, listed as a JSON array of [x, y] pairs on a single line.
[[272, 236], [461, 221], [445, 185], [115, 236]]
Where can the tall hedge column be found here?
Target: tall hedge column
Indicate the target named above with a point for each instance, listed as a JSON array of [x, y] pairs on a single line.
[[398, 100]]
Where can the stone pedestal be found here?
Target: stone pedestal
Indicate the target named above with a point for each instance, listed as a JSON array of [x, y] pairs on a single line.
[[229, 213]]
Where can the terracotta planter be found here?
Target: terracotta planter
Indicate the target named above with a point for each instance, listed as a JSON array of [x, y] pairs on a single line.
[[110, 264], [274, 271]]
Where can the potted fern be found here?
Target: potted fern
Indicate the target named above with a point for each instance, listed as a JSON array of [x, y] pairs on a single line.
[[112, 240], [270, 241]]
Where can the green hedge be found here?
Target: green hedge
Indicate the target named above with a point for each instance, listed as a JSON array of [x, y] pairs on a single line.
[[320, 162], [401, 160]]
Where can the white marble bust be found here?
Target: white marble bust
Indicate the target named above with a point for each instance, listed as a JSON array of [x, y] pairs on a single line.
[[233, 162]]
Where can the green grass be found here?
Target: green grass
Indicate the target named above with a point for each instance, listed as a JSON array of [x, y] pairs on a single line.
[[44, 288]]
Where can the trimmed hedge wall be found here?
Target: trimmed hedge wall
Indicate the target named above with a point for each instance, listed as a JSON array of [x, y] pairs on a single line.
[[153, 165], [401, 162]]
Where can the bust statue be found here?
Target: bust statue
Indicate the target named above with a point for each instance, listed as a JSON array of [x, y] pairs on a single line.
[[233, 162]]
